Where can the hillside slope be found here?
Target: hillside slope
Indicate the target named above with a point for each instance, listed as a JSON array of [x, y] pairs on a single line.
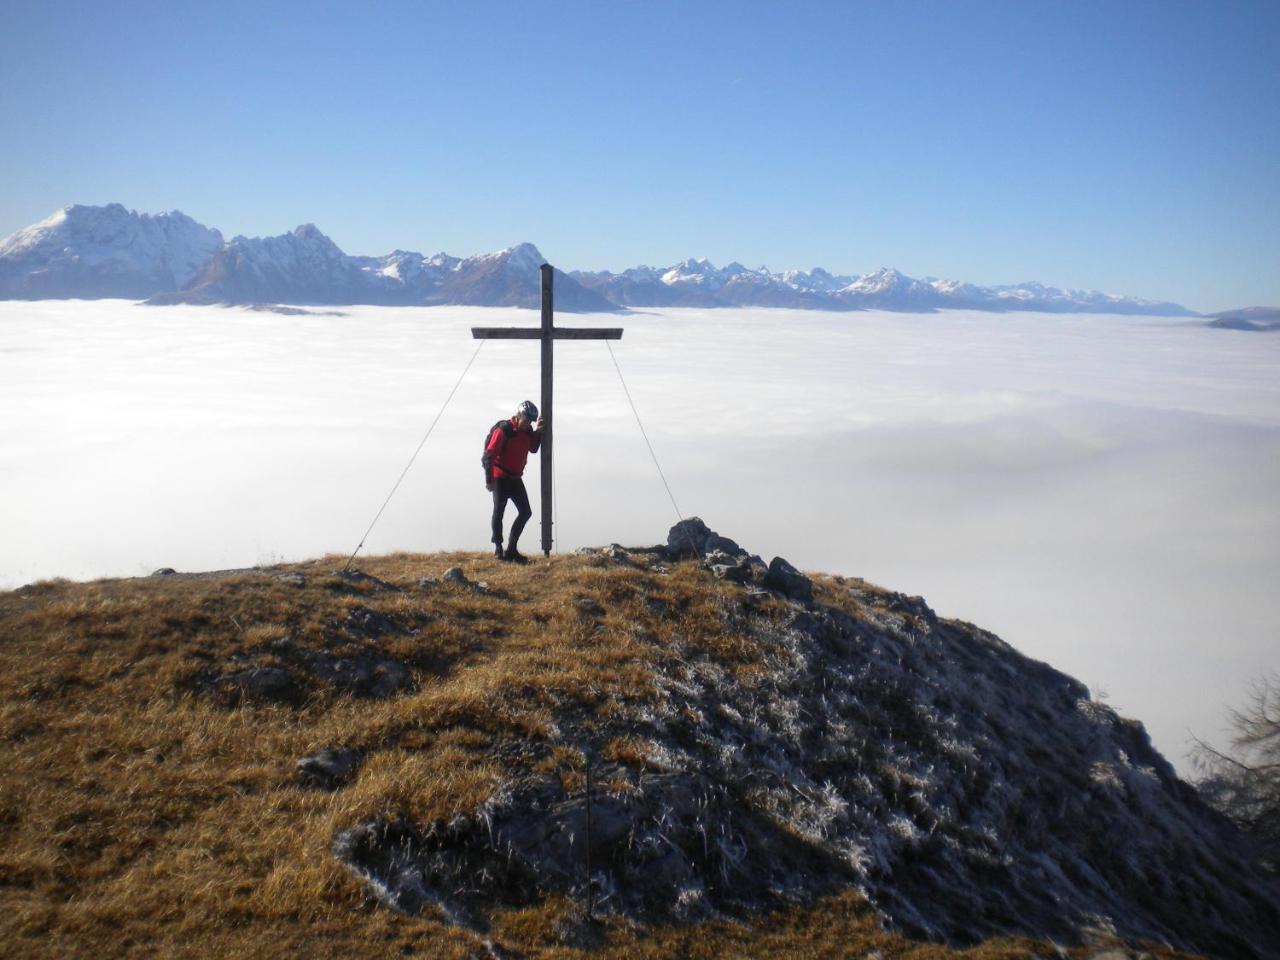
[[293, 759]]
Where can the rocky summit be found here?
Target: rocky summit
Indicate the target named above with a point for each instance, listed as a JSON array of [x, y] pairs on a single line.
[[966, 790], [641, 751]]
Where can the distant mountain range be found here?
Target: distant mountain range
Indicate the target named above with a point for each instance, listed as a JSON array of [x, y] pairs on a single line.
[[95, 252], [698, 283]]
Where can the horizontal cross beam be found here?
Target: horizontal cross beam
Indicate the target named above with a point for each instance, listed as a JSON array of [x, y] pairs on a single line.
[[535, 333]]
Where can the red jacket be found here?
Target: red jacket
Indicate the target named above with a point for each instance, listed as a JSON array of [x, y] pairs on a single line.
[[510, 452]]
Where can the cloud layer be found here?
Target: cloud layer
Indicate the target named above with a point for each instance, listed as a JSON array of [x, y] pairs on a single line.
[[1101, 491]]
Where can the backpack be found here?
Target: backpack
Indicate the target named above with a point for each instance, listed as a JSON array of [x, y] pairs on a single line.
[[486, 459]]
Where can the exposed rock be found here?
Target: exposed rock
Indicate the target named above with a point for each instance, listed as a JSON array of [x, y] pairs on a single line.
[[675, 848], [455, 575], [688, 538], [329, 769], [362, 621], [692, 537], [362, 675], [291, 578], [727, 567], [164, 572], [724, 545], [735, 573], [915, 606], [786, 579], [619, 554], [967, 790], [361, 582], [347, 658], [260, 683]]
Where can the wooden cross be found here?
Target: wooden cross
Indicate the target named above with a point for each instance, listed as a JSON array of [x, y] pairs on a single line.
[[548, 333]]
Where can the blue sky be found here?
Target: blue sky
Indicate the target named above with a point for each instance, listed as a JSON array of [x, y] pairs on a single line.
[[1131, 147]]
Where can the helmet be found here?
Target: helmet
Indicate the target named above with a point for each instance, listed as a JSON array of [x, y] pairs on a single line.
[[527, 409]]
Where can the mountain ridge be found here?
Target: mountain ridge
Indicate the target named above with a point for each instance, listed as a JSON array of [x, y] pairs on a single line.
[[96, 252]]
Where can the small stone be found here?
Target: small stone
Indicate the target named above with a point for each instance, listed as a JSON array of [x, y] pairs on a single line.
[[328, 769], [455, 575], [428, 582], [164, 572], [293, 579]]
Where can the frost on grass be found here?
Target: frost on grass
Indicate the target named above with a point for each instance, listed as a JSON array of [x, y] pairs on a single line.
[[966, 790]]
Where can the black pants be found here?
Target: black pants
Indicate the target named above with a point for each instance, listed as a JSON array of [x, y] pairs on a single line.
[[504, 489]]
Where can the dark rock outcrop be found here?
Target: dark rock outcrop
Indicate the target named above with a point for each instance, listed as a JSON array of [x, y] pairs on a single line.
[[967, 790]]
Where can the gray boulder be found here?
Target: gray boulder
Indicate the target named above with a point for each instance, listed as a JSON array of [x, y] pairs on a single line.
[[688, 538], [786, 579]]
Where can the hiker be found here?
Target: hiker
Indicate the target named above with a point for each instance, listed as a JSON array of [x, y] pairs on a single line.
[[508, 448]]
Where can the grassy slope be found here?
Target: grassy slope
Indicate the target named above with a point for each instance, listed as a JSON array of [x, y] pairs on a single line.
[[141, 815]]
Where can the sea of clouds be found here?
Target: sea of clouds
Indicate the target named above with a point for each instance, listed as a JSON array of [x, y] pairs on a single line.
[[1103, 492]]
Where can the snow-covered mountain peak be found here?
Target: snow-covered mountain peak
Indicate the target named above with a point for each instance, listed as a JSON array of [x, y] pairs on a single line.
[[695, 270], [105, 251], [522, 258], [887, 275], [443, 260], [816, 280], [311, 238], [525, 256], [879, 281]]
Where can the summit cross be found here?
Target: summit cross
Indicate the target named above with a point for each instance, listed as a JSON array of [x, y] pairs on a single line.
[[548, 333]]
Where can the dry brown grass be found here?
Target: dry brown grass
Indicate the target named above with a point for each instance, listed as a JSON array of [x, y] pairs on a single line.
[[141, 816]]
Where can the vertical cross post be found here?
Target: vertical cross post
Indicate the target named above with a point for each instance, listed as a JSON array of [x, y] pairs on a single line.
[[548, 359], [548, 333]]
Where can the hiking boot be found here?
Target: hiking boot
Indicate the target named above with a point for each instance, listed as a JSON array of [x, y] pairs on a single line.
[[497, 552], [514, 556]]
